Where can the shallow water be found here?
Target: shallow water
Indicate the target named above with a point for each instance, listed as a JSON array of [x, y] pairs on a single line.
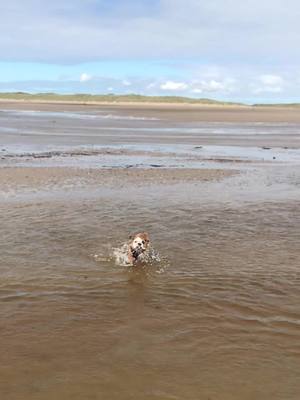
[[43, 130], [218, 319], [112, 138]]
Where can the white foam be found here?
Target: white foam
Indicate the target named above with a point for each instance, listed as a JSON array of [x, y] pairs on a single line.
[[120, 256]]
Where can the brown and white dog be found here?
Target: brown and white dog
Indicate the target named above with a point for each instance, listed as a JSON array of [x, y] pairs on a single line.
[[138, 247]]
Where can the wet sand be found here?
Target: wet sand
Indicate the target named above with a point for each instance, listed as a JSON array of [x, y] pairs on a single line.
[[217, 318], [43, 127], [173, 112], [17, 181]]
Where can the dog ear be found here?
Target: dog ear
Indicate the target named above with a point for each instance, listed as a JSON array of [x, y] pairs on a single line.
[[130, 237], [146, 236]]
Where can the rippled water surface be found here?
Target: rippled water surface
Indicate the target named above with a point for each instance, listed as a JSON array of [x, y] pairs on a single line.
[[218, 318]]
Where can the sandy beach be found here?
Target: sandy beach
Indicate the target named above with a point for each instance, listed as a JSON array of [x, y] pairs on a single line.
[[176, 112], [149, 200], [218, 190], [17, 179]]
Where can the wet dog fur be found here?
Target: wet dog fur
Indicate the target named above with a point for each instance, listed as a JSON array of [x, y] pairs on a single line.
[[138, 247]]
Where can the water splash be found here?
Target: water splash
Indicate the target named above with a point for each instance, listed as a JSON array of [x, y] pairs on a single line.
[[120, 256]]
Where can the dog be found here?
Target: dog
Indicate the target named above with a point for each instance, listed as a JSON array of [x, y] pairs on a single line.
[[137, 250], [138, 247]]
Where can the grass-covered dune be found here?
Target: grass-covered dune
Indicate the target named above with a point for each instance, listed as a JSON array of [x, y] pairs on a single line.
[[106, 98], [277, 105]]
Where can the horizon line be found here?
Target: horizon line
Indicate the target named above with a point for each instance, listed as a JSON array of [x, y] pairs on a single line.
[[13, 95]]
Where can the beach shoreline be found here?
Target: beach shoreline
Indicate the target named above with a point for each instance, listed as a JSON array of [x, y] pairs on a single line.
[[177, 111], [220, 201], [49, 147]]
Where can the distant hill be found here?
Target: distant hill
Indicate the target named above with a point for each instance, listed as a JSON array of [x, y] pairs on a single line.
[[277, 105], [107, 98]]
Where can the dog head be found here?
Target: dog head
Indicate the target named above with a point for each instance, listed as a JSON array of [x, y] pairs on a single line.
[[139, 243]]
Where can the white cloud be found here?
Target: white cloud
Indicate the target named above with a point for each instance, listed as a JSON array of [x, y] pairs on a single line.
[[236, 37], [151, 85], [233, 87], [226, 85], [85, 77], [197, 91], [268, 83], [65, 31], [267, 89], [172, 85], [212, 86], [271, 80]]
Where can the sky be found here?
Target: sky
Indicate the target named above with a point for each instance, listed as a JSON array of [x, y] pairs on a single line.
[[222, 49]]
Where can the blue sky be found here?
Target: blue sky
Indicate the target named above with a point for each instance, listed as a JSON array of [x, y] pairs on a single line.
[[223, 49]]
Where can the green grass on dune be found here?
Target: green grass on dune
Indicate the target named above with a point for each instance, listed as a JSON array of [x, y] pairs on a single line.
[[277, 105], [108, 98], [82, 98]]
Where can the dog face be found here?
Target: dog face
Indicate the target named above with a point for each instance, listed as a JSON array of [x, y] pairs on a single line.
[[140, 243]]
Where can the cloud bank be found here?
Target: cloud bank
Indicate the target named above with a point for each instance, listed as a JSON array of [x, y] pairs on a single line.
[[229, 49], [68, 31]]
